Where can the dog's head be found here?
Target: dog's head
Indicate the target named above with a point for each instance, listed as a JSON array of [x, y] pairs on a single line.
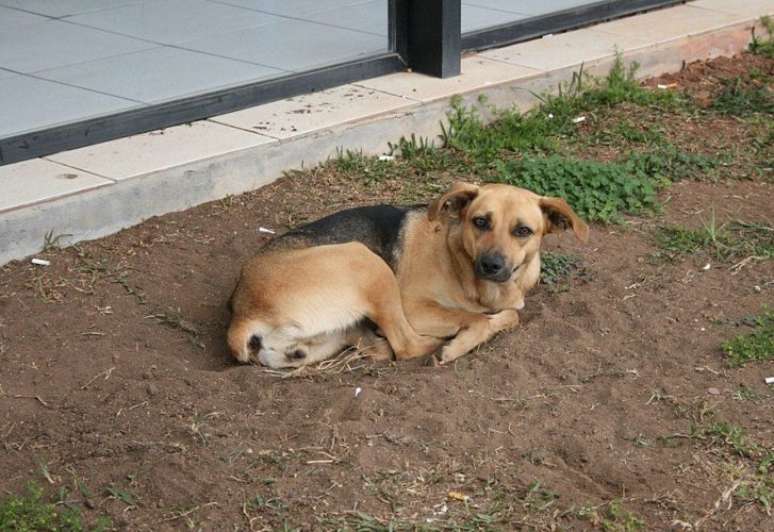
[[502, 225]]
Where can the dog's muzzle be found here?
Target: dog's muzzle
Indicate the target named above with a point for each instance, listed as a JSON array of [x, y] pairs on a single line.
[[492, 267]]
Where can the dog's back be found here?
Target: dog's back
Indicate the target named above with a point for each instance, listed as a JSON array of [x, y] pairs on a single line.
[[378, 227]]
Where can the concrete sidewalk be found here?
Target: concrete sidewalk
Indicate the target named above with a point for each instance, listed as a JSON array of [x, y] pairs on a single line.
[[98, 190]]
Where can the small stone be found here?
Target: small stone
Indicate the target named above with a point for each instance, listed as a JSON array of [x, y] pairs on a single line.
[[713, 391], [152, 389]]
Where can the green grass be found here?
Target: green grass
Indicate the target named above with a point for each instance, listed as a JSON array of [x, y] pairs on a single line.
[[730, 241], [738, 99], [759, 488], [597, 191], [31, 513], [764, 46], [721, 433], [619, 519], [667, 163], [541, 129], [556, 269], [629, 132], [755, 346]]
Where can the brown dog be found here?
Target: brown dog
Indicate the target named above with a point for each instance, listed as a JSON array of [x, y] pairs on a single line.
[[461, 266]]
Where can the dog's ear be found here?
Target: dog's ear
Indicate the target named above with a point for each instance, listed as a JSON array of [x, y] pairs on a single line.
[[560, 216], [455, 200]]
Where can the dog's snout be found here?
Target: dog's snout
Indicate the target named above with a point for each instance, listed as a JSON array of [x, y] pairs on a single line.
[[493, 267], [492, 264]]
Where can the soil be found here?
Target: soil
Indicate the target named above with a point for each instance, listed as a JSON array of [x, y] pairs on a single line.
[[114, 376]]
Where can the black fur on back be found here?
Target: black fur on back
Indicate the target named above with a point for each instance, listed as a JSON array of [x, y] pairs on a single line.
[[376, 226]]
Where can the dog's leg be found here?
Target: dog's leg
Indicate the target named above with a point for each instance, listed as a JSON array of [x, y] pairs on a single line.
[[368, 342], [477, 332], [468, 328], [387, 312]]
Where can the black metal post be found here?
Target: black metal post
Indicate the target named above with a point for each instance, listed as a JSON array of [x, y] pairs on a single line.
[[428, 36]]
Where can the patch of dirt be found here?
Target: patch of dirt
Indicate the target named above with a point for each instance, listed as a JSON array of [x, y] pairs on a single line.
[[704, 80], [114, 374]]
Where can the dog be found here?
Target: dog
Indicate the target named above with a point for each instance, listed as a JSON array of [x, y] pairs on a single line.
[[452, 273]]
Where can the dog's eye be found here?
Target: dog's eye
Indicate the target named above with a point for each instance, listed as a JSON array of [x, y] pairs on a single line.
[[522, 231], [481, 223]]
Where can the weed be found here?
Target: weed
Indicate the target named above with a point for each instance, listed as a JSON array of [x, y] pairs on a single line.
[[723, 242], [539, 498], [29, 512], [764, 46], [631, 133], [619, 519], [668, 163], [755, 346], [556, 269], [121, 494], [597, 191], [736, 99], [760, 487], [371, 169], [746, 394], [273, 504], [512, 132], [721, 433], [621, 85], [51, 242], [539, 130]]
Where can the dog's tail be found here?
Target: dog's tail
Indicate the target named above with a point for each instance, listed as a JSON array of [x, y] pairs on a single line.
[[244, 339]]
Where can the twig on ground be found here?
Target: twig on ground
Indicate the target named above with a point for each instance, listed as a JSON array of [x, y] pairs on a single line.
[[36, 397], [106, 373]]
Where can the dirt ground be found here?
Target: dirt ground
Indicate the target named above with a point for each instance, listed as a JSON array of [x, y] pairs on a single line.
[[115, 384]]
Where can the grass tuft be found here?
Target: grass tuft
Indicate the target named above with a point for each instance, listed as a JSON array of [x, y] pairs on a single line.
[[759, 488], [738, 99], [556, 269], [755, 346], [30, 513], [728, 241], [764, 46], [619, 519]]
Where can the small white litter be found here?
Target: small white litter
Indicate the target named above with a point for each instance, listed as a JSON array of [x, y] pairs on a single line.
[[41, 262], [386, 157], [358, 390], [578, 119], [550, 115], [769, 380], [707, 267], [667, 86], [266, 230]]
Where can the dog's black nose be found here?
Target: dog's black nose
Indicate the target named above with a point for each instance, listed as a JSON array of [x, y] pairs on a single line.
[[491, 264]]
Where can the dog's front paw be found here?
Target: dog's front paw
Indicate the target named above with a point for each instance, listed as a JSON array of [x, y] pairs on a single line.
[[449, 354], [505, 319]]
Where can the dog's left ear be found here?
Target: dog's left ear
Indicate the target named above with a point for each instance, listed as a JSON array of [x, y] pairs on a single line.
[[560, 216], [455, 200]]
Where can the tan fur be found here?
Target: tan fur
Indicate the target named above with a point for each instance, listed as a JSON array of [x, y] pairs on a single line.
[[313, 300], [441, 294], [315, 297]]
